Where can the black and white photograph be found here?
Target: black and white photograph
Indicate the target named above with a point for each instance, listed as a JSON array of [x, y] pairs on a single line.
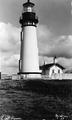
[[35, 59]]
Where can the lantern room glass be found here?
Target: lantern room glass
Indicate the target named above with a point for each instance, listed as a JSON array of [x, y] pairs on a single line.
[[28, 8]]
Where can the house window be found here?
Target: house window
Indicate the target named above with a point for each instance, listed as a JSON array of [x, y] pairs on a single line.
[[58, 71], [52, 71]]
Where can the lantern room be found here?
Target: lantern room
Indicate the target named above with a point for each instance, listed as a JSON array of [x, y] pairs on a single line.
[[28, 15], [28, 6]]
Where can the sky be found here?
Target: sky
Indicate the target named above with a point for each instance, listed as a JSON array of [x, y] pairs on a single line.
[[54, 32]]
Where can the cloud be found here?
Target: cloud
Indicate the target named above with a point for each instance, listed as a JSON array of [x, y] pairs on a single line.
[[9, 38], [66, 62], [44, 39], [10, 61], [62, 47], [51, 45], [9, 47], [45, 60], [56, 14]]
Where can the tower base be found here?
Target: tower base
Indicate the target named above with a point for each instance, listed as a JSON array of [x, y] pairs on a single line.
[[28, 75]]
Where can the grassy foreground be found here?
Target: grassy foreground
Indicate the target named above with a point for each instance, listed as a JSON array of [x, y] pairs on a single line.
[[41, 98]]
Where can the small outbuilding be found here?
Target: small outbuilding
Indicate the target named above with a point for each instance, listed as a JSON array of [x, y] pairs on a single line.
[[52, 68]]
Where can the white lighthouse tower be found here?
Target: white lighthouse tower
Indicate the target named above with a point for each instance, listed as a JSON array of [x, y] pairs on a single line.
[[29, 61]]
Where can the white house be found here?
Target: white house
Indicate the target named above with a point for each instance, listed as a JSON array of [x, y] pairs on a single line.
[[52, 69]]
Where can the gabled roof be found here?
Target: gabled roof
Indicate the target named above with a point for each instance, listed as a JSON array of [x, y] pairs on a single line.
[[28, 3], [48, 66], [68, 71]]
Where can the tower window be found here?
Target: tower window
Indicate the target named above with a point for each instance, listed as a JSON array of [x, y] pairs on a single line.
[[29, 9]]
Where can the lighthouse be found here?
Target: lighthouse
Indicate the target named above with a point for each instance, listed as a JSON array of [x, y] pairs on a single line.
[[29, 60]]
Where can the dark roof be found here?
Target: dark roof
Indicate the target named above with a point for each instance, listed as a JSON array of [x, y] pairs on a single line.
[[28, 4], [47, 66], [68, 71]]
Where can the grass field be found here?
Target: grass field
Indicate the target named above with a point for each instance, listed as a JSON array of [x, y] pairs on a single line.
[[38, 99]]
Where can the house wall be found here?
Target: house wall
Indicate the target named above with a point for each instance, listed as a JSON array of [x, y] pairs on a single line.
[[58, 76], [62, 76], [55, 70]]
